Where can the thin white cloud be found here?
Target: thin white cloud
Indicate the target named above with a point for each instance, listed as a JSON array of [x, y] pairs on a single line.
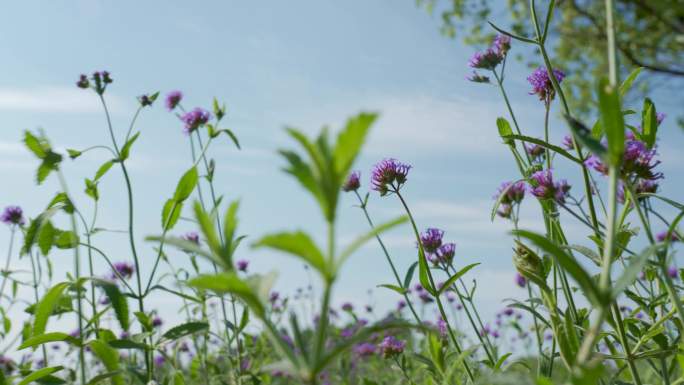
[[55, 99]]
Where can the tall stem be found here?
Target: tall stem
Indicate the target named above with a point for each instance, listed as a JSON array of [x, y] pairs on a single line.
[[13, 230]]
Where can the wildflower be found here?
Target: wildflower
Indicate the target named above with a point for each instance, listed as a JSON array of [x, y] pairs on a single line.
[[347, 306], [13, 215], [159, 360], [391, 347], [389, 175], [191, 237], [172, 99], [543, 186], [568, 142], [157, 321], [368, 308], [353, 182], [401, 305], [673, 272], [445, 253], [477, 78], [418, 288], [638, 161], [245, 364], [431, 239], [459, 307], [242, 265], [665, 235], [660, 116], [502, 44], [124, 270], [83, 82], [365, 349], [442, 327], [195, 118], [425, 297], [542, 85], [508, 312], [487, 59], [509, 194], [520, 280], [274, 297], [486, 330], [146, 100]]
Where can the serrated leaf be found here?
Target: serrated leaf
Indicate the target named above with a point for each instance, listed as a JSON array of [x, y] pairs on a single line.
[[109, 357], [117, 300], [46, 306]]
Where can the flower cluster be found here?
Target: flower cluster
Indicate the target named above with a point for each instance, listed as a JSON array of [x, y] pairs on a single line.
[[542, 85], [436, 251], [536, 152], [543, 186], [389, 175], [195, 119], [13, 215], [490, 58], [509, 194], [98, 81], [391, 347]]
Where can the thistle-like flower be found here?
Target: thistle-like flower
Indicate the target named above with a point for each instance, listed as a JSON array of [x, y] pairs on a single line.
[[502, 44], [431, 239], [486, 60], [13, 215], [172, 99], [389, 175], [124, 269], [195, 119], [353, 182], [543, 186], [391, 347], [542, 85], [242, 265], [191, 236]]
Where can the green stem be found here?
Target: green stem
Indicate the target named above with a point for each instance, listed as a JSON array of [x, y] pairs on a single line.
[[13, 230]]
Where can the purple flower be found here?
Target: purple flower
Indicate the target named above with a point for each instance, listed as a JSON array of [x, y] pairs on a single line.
[[502, 44], [365, 349], [157, 321], [543, 186], [274, 297], [568, 142], [191, 237], [159, 360], [146, 100], [83, 82], [401, 304], [445, 253], [389, 175], [13, 215], [195, 118], [124, 269], [664, 235], [172, 99], [487, 59], [425, 297], [542, 85], [242, 265], [347, 306], [431, 239], [520, 280], [391, 347], [509, 194], [660, 116], [353, 182], [442, 327], [673, 272], [508, 311], [638, 161], [486, 330], [477, 78]]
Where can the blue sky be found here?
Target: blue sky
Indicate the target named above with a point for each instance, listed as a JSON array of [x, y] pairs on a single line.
[[303, 64]]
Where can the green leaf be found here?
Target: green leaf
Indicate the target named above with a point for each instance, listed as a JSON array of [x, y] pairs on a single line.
[[126, 149], [649, 123], [409, 274], [423, 272], [49, 337], [229, 282], [396, 288], [627, 83], [449, 282], [101, 377], [103, 170], [127, 344], [349, 250], [612, 121], [117, 300], [505, 130], [171, 213], [66, 240], [38, 374], [230, 223], [300, 245], [206, 224], [631, 272], [547, 146], [185, 329], [73, 154], [585, 137], [568, 263], [349, 142], [109, 357], [46, 237], [34, 145], [46, 306], [186, 185]]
